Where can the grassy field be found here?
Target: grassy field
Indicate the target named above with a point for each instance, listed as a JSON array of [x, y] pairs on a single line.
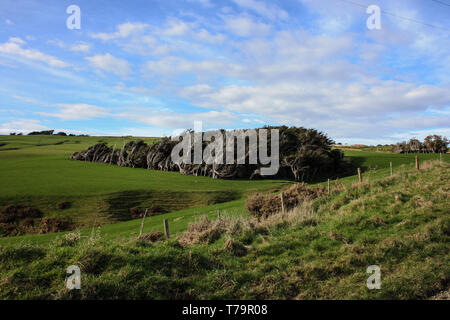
[[320, 250], [36, 171]]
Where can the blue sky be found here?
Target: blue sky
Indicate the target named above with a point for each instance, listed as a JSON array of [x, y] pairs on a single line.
[[147, 68]]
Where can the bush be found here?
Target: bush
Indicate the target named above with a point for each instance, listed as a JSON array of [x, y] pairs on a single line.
[[50, 225], [70, 239], [136, 212], [265, 205], [63, 205], [234, 247]]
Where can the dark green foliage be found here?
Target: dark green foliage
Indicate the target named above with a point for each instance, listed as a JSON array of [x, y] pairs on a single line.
[[43, 133], [305, 155]]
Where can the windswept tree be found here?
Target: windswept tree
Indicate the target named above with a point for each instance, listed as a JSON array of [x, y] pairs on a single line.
[[414, 145], [401, 147], [436, 144], [431, 144], [304, 155]]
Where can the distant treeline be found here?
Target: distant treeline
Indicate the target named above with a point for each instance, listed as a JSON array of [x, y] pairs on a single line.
[[431, 144], [48, 133]]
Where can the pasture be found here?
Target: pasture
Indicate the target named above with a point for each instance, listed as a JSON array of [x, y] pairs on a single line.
[[36, 171]]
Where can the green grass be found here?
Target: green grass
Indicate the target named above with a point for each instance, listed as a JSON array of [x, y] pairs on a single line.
[[318, 251], [369, 160], [39, 173], [376, 164], [178, 222]]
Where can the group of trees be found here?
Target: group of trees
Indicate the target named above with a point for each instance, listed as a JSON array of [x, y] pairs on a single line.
[[431, 144], [48, 133], [43, 133]]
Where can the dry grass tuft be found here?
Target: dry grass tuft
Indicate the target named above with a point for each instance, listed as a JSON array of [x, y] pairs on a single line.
[[151, 237], [265, 205], [208, 231], [234, 247]]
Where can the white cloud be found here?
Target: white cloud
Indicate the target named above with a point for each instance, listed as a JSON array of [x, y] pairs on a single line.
[[204, 3], [173, 65], [176, 27], [14, 47], [245, 26], [77, 47], [111, 64], [335, 18], [205, 36], [124, 30], [81, 47], [29, 100], [78, 111], [175, 120], [344, 110], [57, 43], [22, 125], [16, 40], [268, 10], [197, 90]]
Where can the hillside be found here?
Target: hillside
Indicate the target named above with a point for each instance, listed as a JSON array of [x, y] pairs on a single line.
[[36, 171], [320, 250]]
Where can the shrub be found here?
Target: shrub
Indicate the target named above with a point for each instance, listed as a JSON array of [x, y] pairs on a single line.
[[63, 205], [70, 239], [136, 212], [49, 225], [264, 205], [203, 231], [234, 247]]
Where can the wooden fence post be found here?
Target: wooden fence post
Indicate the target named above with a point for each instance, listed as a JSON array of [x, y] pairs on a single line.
[[142, 223], [417, 163], [166, 228], [218, 213], [329, 187], [282, 202], [390, 165], [359, 175]]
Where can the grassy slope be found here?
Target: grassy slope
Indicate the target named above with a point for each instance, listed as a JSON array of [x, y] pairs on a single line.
[[289, 256], [38, 173], [42, 176]]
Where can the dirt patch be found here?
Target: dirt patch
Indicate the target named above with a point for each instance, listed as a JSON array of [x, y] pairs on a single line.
[[13, 213], [16, 220]]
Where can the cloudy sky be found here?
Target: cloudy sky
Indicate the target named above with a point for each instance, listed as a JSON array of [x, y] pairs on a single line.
[[145, 67]]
